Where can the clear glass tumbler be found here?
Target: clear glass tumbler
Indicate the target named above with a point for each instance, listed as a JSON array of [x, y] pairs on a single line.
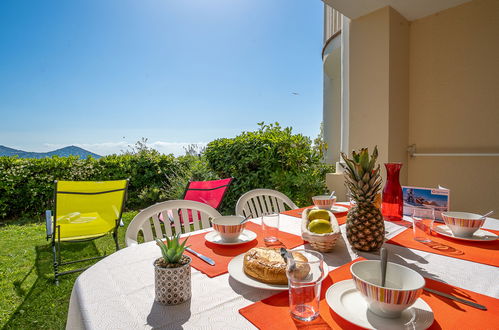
[[305, 287], [422, 224], [270, 227]]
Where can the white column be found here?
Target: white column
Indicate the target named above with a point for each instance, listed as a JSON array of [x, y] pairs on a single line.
[[332, 99]]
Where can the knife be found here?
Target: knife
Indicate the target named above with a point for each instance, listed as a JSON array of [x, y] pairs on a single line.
[[202, 257], [464, 301]]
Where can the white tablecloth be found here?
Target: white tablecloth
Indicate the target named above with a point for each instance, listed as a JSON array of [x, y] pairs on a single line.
[[118, 291]]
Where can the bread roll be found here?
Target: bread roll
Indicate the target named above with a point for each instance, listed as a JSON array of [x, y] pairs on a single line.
[[268, 266]]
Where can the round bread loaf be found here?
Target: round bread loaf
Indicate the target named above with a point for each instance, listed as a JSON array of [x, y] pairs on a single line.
[[268, 266]]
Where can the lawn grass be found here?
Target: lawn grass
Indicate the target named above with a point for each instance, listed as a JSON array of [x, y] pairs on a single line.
[[29, 299]]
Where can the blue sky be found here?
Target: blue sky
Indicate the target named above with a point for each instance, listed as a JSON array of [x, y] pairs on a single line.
[[104, 73]]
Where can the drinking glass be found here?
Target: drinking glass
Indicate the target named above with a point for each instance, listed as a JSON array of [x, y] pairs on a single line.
[[422, 224], [270, 227], [305, 289]]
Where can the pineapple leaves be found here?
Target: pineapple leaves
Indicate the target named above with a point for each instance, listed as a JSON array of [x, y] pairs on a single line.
[[362, 180], [364, 159]]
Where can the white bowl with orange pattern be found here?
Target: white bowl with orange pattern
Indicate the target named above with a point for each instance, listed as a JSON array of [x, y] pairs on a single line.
[[402, 288], [228, 227], [463, 224], [324, 202]]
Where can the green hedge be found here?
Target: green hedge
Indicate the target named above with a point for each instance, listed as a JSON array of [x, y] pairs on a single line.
[[27, 185], [271, 157]]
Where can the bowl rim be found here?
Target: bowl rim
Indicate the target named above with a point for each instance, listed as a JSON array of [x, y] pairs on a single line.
[[324, 197], [384, 287], [458, 215], [213, 220]]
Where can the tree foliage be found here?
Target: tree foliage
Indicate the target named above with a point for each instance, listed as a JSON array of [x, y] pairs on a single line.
[[270, 157]]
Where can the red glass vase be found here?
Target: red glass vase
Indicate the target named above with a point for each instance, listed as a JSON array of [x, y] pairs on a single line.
[[392, 202]]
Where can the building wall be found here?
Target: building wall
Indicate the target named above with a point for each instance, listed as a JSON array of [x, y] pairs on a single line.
[[369, 82], [454, 102], [379, 85], [399, 91]]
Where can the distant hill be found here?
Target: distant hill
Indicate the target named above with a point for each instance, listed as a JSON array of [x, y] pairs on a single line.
[[63, 152]]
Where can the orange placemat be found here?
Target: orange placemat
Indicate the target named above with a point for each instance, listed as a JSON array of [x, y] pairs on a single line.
[[481, 252], [341, 217], [273, 312], [223, 254]]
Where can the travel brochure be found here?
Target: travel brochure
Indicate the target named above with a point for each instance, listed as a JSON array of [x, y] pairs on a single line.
[[426, 198]]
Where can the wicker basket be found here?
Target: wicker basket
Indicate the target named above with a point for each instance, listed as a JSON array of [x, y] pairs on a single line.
[[320, 242]]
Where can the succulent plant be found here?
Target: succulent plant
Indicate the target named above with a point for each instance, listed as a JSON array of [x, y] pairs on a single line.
[[173, 250]]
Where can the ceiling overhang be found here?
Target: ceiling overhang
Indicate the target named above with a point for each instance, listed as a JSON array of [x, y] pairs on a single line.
[[410, 9]]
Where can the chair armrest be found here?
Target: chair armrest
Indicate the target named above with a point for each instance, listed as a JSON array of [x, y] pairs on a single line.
[[48, 223]]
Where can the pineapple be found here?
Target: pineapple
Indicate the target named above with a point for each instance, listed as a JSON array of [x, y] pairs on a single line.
[[172, 251], [365, 225]]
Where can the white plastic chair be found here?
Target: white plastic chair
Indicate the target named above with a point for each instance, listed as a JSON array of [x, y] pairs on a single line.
[[147, 221], [259, 201]]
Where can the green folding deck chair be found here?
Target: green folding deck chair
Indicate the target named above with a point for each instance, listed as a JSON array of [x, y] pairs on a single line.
[[83, 211]]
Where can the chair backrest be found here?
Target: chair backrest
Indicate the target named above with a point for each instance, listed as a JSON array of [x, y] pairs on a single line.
[[259, 201], [147, 221], [107, 198], [208, 192]]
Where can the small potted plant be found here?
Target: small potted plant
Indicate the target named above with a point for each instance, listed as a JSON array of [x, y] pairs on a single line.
[[172, 272]]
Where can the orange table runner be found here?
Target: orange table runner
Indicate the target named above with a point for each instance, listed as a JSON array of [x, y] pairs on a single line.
[[223, 254], [481, 252], [341, 217], [273, 312]]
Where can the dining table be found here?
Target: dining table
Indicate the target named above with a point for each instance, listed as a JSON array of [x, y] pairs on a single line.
[[117, 292]]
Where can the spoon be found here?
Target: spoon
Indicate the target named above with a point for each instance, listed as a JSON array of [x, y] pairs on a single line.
[[487, 214], [245, 219], [384, 259], [332, 194]]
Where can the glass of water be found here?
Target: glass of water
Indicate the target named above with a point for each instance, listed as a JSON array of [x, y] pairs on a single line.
[[304, 280], [270, 227], [422, 224]]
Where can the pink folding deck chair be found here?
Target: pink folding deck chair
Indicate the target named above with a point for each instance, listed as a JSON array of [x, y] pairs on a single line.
[[207, 192]]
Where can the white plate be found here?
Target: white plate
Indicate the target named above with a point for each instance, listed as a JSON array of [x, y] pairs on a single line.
[[478, 236], [245, 237], [334, 209], [339, 209], [236, 272], [347, 302]]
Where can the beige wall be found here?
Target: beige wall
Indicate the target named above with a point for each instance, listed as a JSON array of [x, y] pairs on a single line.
[[378, 89], [454, 102], [399, 92], [379, 85]]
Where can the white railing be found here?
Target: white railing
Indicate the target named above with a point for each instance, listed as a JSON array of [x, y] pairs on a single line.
[[333, 21]]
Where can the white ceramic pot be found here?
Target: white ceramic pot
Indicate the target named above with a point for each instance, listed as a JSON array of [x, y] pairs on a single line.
[[402, 288], [172, 285]]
